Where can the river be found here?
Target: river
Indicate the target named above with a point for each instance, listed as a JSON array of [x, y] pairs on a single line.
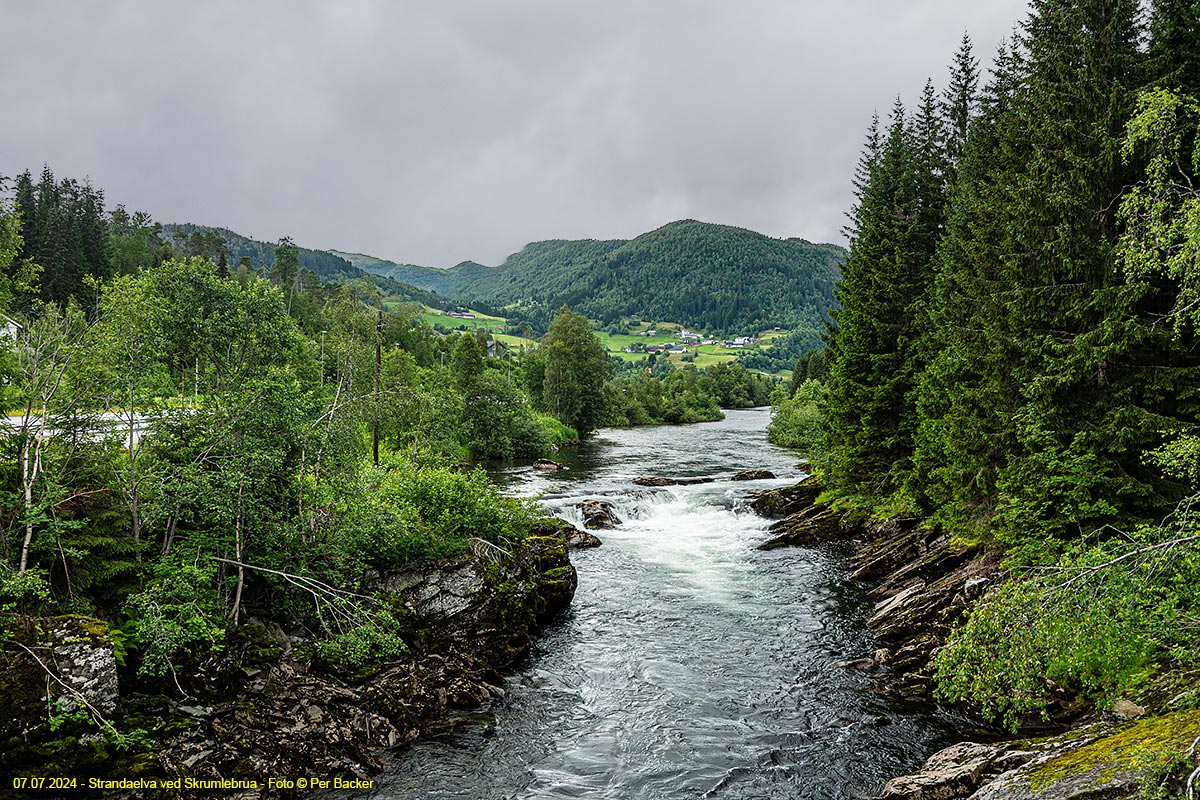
[[690, 665]]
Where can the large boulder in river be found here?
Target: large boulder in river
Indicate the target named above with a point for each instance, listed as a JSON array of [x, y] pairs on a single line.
[[654, 480], [753, 475], [598, 514], [561, 529], [659, 480], [546, 465]]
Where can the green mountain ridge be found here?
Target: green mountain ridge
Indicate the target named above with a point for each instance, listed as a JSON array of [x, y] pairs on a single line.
[[716, 277], [329, 266]]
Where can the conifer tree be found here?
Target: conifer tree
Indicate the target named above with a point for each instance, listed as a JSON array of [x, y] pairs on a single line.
[[929, 143], [964, 399], [862, 172], [1174, 52], [959, 102], [63, 231], [1047, 428], [869, 369]]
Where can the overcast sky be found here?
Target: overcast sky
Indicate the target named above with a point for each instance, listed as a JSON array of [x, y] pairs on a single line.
[[439, 131]]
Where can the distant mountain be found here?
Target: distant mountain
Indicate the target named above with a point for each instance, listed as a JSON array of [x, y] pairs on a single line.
[[330, 267], [460, 281], [715, 277]]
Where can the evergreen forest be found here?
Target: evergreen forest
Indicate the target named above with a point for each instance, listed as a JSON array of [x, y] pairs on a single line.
[[1014, 357]]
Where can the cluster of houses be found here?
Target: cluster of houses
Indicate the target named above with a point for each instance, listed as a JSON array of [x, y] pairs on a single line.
[[690, 339], [460, 314]]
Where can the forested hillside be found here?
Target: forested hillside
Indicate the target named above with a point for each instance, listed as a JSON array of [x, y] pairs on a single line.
[[1015, 357], [225, 247], [714, 277], [259, 255]]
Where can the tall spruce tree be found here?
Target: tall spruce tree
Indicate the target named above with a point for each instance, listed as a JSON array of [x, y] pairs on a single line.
[[869, 370], [862, 173], [965, 397], [1048, 427], [959, 103]]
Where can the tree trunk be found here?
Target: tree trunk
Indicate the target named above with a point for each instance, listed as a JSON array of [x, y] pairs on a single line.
[[241, 571]]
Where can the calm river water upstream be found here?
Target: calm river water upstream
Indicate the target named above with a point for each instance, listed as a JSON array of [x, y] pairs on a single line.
[[690, 665]]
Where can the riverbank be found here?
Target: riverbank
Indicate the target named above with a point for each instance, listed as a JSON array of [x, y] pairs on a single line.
[[268, 714], [923, 584]]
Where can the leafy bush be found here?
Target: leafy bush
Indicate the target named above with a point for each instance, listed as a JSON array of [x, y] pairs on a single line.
[[1093, 624], [378, 638], [409, 513], [557, 433], [798, 421], [21, 588], [179, 609]]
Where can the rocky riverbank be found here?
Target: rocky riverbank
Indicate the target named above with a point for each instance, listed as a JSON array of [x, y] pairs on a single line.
[[923, 583], [266, 706]]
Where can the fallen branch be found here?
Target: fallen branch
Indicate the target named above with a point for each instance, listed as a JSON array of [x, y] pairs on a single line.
[[345, 612]]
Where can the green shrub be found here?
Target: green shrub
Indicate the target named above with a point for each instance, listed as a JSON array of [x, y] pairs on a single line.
[[557, 433], [408, 513], [178, 609], [798, 421], [376, 639], [1094, 624]]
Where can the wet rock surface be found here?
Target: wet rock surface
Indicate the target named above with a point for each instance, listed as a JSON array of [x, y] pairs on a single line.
[[753, 475], [1098, 761], [809, 526], [955, 772], [659, 480], [561, 529], [654, 480], [598, 514], [777, 503]]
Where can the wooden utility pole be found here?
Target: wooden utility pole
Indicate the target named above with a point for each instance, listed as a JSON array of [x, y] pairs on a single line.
[[375, 416]]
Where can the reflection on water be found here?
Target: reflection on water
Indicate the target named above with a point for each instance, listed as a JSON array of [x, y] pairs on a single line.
[[690, 665]]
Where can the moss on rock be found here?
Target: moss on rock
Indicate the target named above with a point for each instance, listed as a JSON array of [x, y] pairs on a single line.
[[1122, 757]]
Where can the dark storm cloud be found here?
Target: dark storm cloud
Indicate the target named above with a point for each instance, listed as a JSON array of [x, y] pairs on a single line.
[[435, 132]]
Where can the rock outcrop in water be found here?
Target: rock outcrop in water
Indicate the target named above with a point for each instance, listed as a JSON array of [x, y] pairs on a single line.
[[598, 514], [659, 480], [268, 706], [561, 529], [777, 503], [753, 475]]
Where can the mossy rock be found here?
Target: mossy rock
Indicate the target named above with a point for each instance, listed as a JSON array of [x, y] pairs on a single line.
[[1111, 766]]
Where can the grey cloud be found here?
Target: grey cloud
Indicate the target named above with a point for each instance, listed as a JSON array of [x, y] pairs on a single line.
[[437, 132]]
